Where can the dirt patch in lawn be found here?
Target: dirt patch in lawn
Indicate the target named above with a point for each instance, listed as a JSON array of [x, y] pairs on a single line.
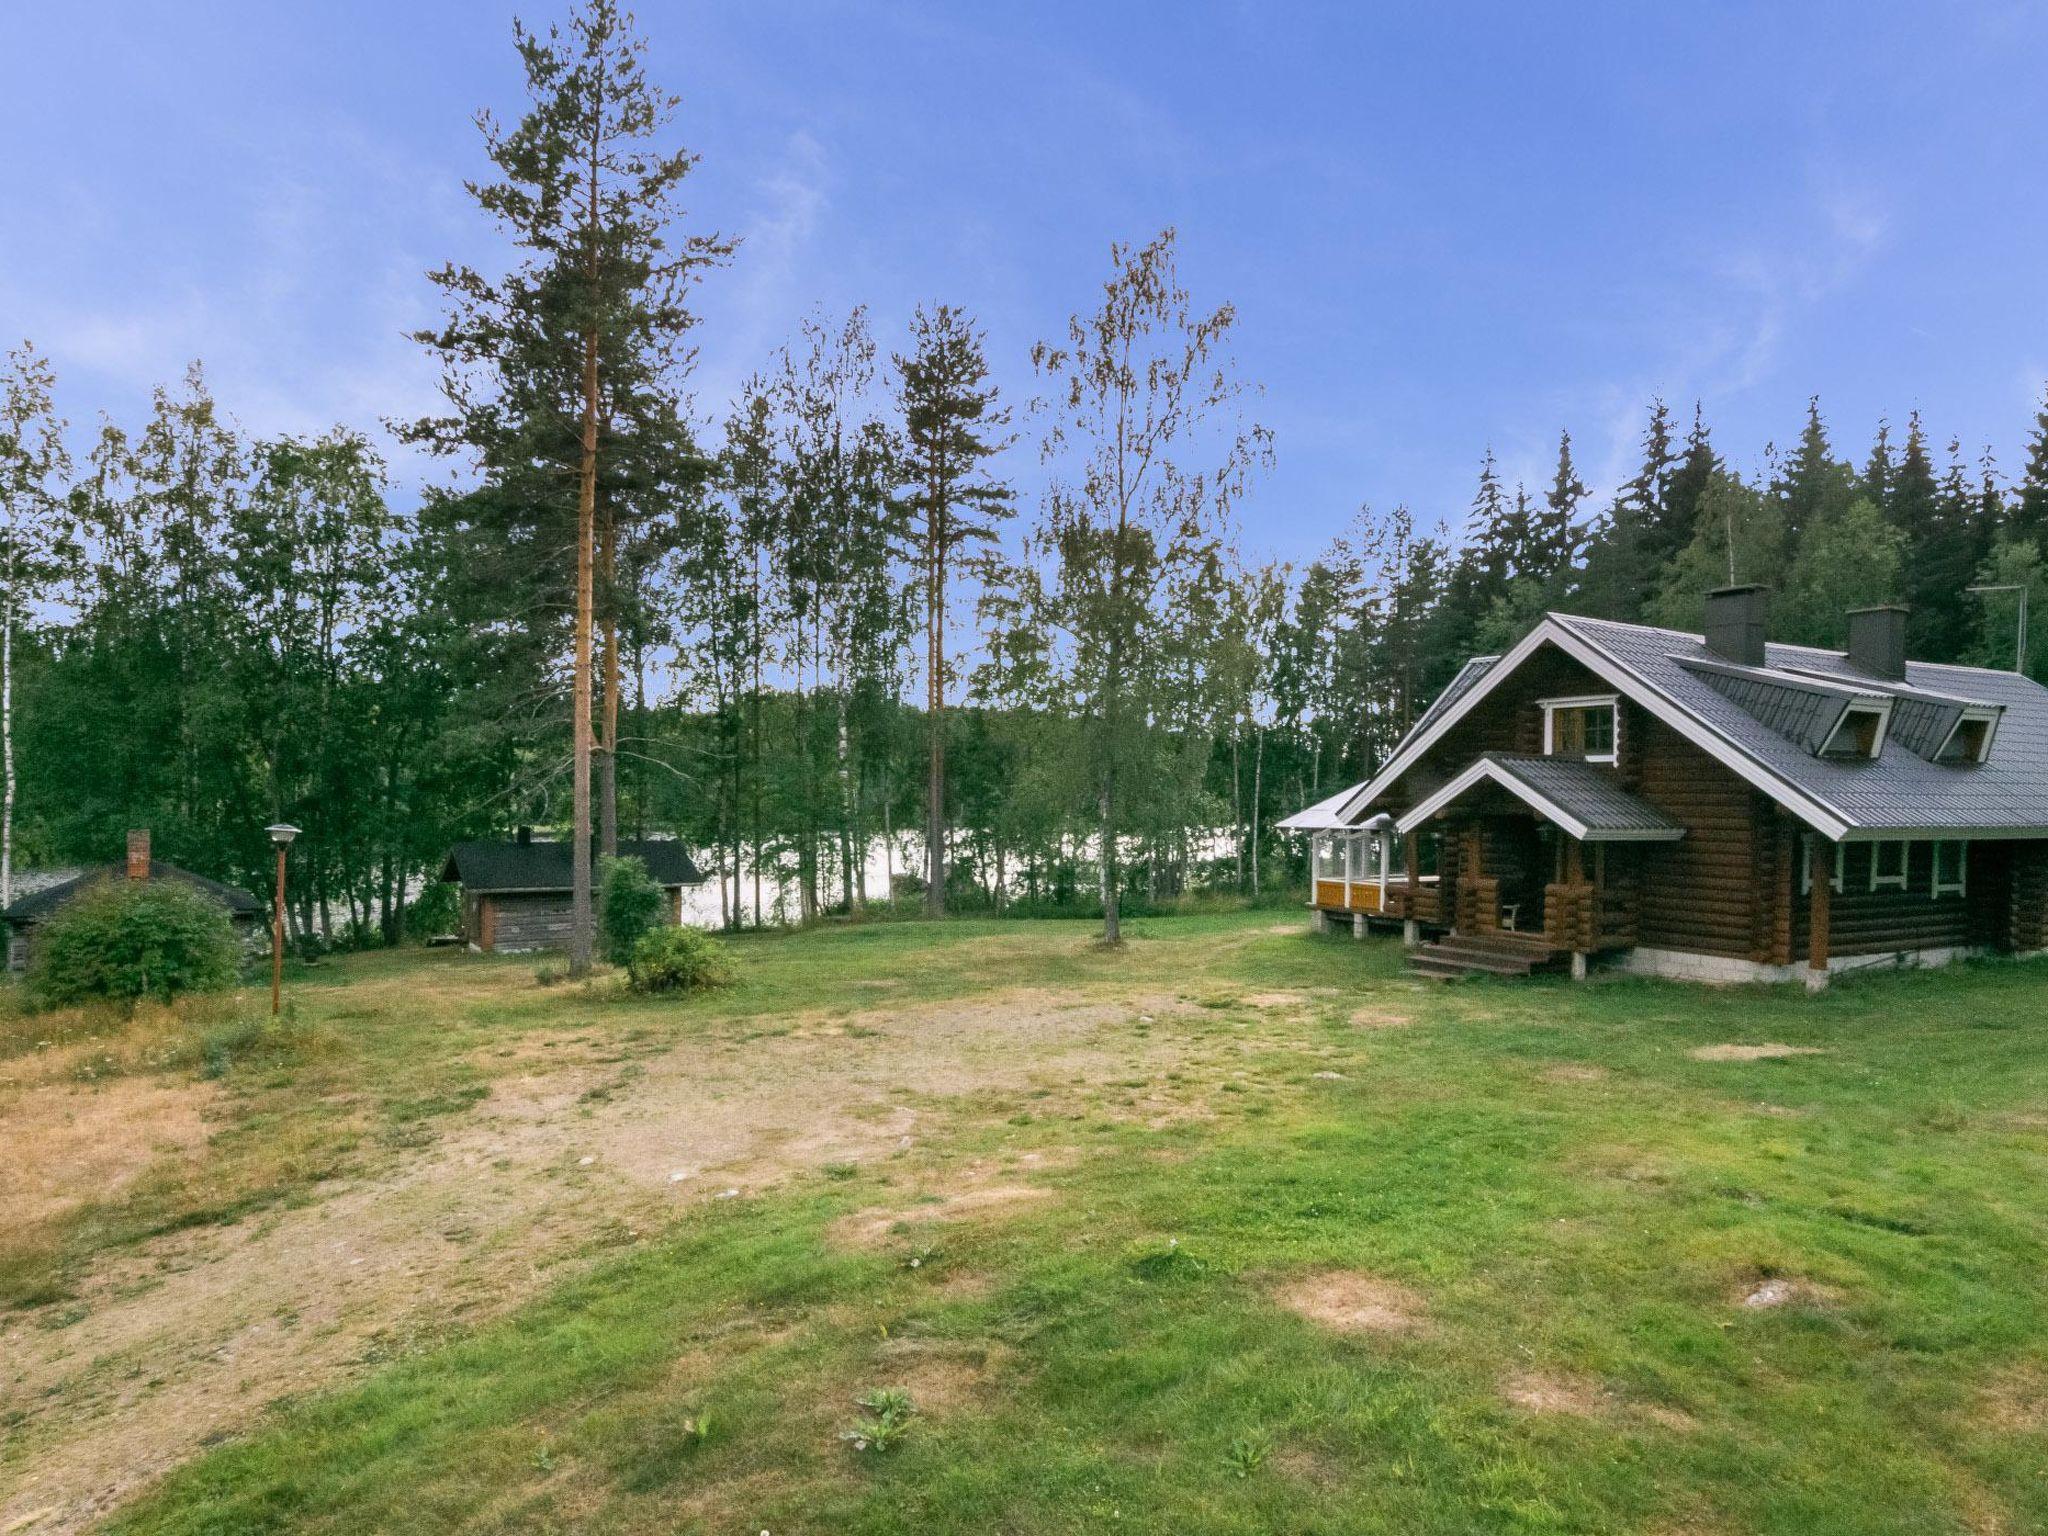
[[875, 1228], [1353, 1301], [1550, 1392], [1277, 999], [941, 1378], [67, 1146], [1751, 1052], [2016, 1401], [189, 1336], [1379, 1018], [1762, 1294], [1573, 1072]]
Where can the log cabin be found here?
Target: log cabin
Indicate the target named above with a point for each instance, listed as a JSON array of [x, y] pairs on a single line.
[[516, 896], [1718, 807]]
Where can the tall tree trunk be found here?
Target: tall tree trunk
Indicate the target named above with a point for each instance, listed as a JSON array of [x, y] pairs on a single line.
[[1236, 806], [7, 746], [1258, 791], [935, 719], [580, 935], [1112, 928], [849, 812], [888, 845], [608, 756]]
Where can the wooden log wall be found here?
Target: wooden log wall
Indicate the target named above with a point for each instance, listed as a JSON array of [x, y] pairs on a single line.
[[1704, 893], [2027, 897], [1571, 917], [1890, 921]]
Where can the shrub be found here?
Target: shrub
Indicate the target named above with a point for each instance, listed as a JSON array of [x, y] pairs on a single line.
[[679, 960], [127, 939], [437, 910], [631, 904]]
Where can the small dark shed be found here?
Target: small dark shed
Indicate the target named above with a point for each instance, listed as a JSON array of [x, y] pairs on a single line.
[[515, 896], [32, 910]]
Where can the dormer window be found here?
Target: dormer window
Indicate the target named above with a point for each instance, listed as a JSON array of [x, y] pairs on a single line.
[[1859, 733], [1581, 727], [1970, 741]]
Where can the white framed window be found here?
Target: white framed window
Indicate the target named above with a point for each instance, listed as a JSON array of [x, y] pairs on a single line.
[[1588, 727], [1329, 856], [1951, 867], [1859, 733], [1970, 739], [1806, 865], [1361, 858], [1888, 866]]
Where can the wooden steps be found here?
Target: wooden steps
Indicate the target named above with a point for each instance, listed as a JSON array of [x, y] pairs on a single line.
[[1485, 954]]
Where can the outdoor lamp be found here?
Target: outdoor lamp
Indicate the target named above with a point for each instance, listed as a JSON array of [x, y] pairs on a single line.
[[281, 833]]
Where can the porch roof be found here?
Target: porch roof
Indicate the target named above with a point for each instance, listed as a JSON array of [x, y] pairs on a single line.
[[1583, 799]]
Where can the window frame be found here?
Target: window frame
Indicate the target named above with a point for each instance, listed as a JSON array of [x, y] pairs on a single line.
[[1880, 881], [1960, 886], [1883, 714], [1611, 702], [1988, 718], [1358, 858], [1836, 881]]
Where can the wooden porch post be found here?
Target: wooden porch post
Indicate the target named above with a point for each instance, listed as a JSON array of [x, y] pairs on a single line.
[[1574, 877], [1411, 851], [1821, 894]]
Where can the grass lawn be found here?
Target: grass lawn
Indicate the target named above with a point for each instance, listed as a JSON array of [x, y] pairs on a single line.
[[1236, 1230]]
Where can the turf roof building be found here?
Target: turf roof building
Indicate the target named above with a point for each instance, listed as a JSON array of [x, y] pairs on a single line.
[[516, 895], [1713, 806]]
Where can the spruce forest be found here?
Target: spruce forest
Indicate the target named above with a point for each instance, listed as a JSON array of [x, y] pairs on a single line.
[[1025, 641]]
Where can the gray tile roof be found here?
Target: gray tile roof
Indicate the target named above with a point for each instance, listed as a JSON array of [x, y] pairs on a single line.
[[1899, 790], [1806, 711], [1589, 791], [1454, 690]]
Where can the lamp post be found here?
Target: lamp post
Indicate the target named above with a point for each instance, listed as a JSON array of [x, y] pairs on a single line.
[[2019, 664], [281, 833]]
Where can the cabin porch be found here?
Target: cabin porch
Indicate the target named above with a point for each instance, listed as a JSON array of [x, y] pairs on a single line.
[[1360, 875], [1538, 868]]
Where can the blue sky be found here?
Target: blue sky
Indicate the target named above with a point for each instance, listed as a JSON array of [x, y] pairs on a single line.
[[1444, 226]]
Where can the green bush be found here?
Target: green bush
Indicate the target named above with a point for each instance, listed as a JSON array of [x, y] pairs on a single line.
[[121, 940], [679, 960], [631, 905], [437, 910]]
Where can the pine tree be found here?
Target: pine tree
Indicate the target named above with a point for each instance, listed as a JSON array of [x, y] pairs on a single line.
[[1677, 513], [1558, 537], [2029, 518], [1620, 572], [953, 424], [1879, 468], [552, 368], [1812, 485]]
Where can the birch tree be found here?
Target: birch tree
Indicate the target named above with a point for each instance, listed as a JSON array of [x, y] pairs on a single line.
[[32, 466], [1147, 455]]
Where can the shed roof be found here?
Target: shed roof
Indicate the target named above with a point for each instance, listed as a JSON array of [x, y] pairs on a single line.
[[41, 902], [545, 866]]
